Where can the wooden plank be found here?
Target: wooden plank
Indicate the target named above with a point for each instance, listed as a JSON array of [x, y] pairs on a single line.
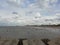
[[9, 42], [35, 42], [55, 41], [14, 42], [25, 42]]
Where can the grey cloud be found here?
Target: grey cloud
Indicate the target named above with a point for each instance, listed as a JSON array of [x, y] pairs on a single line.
[[15, 13]]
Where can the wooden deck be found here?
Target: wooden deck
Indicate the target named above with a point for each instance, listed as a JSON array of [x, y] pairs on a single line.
[[21, 42], [5, 41]]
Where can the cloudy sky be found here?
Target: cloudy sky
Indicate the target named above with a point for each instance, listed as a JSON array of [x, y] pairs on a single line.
[[29, 12]]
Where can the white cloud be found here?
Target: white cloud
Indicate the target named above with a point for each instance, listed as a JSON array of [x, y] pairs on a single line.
[[54, 1], [13, 3], [29, 15]]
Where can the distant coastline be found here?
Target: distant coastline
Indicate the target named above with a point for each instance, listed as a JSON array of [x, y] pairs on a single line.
[[44, 25], [34, 26]]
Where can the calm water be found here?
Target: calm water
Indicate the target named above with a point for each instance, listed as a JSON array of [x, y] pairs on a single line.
[[29, 32]]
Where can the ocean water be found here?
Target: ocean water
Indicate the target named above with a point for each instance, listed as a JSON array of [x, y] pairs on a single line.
[[29, 32]]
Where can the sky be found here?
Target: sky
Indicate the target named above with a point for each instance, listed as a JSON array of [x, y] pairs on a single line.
[[29, 12]]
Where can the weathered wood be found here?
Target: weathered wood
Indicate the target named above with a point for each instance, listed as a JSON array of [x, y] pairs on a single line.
[[55, 41], [25, 42], [14, 42], [46, 41], [35, 42], [9, 42], [20, 42]]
